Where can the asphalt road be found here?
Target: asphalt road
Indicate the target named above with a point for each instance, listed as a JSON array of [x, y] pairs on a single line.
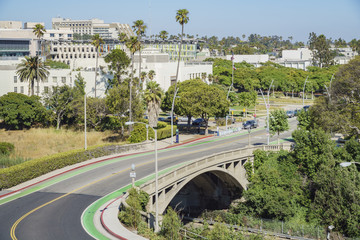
[[54, 212]]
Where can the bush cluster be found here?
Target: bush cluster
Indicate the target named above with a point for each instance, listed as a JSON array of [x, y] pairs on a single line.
[[6, 148]]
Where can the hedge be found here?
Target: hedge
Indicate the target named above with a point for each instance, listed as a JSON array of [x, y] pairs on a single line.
[[139, 133], [26, 171]]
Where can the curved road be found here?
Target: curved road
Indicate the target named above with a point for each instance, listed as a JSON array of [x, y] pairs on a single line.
[[54, 212]]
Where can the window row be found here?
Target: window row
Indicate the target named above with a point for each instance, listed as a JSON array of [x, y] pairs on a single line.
[[21, 89], [54, 79], [70, 56], [74, 49]]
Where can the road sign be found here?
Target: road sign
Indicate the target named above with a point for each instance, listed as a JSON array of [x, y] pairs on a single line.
[[133, 174]]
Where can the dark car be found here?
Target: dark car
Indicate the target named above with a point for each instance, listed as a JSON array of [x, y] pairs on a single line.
[[306, 108], [168, 119], [296, 112], [161, 119], [250, 124], [290, 113], [198, 121]]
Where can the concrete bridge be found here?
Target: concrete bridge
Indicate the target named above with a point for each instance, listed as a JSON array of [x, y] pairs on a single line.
[[213, 180]]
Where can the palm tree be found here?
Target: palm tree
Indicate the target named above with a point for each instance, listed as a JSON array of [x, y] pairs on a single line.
[[133, 45], [39, 31], [203, 76], [96, 41], [30, 69], [143, 77], [151, 75], [139, 27], [182, 18], [163, 35], [153, 95]]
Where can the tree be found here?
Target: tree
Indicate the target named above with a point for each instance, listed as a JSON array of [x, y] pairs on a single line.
[[96, 41], [182, 18], [139, 28], [321, 50], [130, 215], [80, 84], [39, 31], [58, 101], [19, 111], [151, 75], [247, 99], [30, 69], [153, 95], [163, 35], [171, 224], [119, 62], [278, 122]]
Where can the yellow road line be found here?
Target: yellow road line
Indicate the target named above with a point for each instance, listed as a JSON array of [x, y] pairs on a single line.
[[13, 228]]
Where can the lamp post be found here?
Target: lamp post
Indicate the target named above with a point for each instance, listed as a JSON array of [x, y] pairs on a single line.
[[156, 176], [172, 116], [249, 131], [267, 105], [304, 89]]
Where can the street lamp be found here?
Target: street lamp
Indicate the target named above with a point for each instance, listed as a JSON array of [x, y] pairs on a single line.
[[267, 105], [156, 175], [304, 89], [172, 116], [347, 164], [249, 130]]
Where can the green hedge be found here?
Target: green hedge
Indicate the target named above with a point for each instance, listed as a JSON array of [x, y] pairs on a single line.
[[139, 133], [28, 170]]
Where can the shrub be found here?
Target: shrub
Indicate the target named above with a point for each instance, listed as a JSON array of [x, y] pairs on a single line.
[[6, 148], [130, 215], [161, 125], [139, 133]]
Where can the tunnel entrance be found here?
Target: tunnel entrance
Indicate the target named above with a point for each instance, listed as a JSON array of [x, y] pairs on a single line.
[[209, 191]]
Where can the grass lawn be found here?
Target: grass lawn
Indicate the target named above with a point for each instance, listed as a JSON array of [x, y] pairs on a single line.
[[37, 142]]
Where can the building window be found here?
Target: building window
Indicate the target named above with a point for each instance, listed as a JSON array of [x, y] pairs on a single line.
[[52, 35], [69, 35], [63, 79], [15, 89], [172, 80], [22, 89], [46, 89], [54, 79], [15, 79]]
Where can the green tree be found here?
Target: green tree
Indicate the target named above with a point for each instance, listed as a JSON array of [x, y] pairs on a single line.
[[321, 50], [139, 28], [119, 62], [312, 150], [163, 35], [130, 215], [58, 101], [153, 95], [278, 122], [151, 75], [96, 41], [247, 99], [80, 84], [30, 69], [19, 111], [171, 224]]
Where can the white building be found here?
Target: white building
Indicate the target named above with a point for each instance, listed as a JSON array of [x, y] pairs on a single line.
[[92, 27], [255, 60], [300, 58]]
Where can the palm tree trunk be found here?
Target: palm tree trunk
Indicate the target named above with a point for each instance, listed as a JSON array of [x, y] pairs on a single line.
[[32, 87], [139, 63], [130, 85], [96, 67]]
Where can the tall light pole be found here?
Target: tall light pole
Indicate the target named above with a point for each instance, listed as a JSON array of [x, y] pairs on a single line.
[[156, 176], [304, 89], [172, 116], [267, 105]]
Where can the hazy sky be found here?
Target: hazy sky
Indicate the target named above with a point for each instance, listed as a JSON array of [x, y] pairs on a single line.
[[297, 18]]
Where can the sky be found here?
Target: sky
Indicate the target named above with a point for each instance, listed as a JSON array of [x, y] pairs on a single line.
[[222, 18]]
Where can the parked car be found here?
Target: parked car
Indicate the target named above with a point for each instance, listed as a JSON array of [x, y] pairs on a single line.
[[185, 119], [290, 113], [168, 119], [296, 112], [306, 108], [161, 119], [198, 121], [250, 124]]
